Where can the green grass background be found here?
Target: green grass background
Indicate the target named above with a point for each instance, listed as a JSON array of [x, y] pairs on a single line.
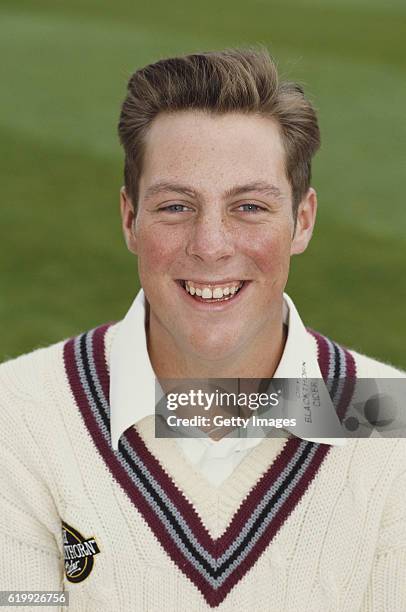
[[64, 267]]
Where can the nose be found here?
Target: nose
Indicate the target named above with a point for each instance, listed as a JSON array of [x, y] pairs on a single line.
[[210, 240]]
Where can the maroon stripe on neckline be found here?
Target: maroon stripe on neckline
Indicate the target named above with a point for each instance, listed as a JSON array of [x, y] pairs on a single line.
[[257, 492], [323, 354], [216, 597], [176, 495], [350, 370], [349, 384]]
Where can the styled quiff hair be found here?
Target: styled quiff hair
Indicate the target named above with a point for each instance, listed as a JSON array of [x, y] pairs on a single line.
[[233, 80]]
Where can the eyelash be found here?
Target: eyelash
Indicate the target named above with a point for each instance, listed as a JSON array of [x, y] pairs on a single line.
[[171, 206], [168, 208], [257, 208]]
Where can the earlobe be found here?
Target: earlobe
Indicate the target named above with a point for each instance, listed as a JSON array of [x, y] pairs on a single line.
[[305, 221], [128, 221]]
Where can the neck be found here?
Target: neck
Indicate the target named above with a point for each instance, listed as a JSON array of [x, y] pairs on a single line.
[[258, 360]]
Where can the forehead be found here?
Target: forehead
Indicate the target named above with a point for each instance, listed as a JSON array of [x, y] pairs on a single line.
[[212, 151]]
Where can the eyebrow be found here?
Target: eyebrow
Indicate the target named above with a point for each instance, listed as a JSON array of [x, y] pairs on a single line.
[[258, 186]]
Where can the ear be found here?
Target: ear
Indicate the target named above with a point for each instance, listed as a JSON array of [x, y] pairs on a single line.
[[128, 217], [305, 220]]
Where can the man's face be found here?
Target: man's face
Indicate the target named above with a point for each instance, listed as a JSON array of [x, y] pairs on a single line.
[[214, 218]]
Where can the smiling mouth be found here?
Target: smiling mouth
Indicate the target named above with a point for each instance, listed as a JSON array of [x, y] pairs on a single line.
[[207, 292]]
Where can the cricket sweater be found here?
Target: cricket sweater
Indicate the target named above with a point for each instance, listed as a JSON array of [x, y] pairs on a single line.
[[297, 526]]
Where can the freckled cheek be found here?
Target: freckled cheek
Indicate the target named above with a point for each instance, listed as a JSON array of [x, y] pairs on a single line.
[[157, 250], [269, 253]]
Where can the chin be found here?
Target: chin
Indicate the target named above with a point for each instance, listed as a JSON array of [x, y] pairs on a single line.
[[213, 346]]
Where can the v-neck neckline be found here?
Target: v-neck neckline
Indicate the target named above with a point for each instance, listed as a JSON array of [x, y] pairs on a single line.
[[226, 497], [214, 563]]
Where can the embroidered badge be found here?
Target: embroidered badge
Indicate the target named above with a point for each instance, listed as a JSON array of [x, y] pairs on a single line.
[[78, 553]]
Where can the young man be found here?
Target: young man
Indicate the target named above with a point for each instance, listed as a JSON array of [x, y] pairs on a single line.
[[217, 199]]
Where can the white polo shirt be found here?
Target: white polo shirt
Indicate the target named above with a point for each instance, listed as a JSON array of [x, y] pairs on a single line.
[[132, 389]]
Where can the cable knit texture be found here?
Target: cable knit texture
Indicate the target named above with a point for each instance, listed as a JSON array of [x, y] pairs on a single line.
[[342, 548]]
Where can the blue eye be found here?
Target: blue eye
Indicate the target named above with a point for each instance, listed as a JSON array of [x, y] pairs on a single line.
[[175, 208], [251, 207]]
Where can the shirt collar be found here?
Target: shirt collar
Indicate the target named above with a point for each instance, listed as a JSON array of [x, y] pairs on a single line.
[[132, 378]]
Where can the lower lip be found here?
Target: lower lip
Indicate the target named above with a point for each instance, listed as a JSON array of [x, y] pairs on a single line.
[[210, 306]]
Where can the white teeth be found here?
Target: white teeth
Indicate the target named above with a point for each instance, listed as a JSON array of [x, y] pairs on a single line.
[[206, 294]]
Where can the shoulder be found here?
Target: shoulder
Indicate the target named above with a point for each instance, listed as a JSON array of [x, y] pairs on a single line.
[[369, 367], [29, 396], [24, 376], [365, 366], [32, 379]]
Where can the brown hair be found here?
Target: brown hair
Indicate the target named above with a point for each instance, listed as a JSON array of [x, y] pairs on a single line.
[[233, 80]]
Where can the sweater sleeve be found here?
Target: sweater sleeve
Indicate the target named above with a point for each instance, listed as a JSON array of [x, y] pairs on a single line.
[[386, 590], [30, 551]]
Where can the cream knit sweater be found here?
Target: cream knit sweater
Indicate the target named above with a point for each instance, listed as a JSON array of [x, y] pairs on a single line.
[[341, 546]]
